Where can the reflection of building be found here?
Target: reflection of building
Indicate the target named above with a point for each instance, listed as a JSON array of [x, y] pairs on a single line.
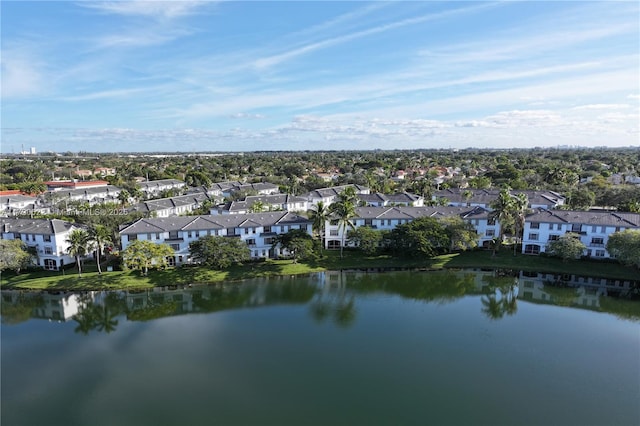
[[557, 288], [52, 306]]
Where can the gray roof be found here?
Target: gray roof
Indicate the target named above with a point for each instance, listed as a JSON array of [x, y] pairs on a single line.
[[621, 219], [411, 213], [34, 226], [205, 222], [171, 202], [88, 191], [267, 200], [153, 184], [402, 197], [487, 196], [18, 198], [333, 191]]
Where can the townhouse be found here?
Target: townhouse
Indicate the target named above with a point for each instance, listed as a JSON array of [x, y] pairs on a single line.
[[154, 187], [484, 197], [387, 218], [172, 206], [21, 205], [92, 195], [593, 227], [329, 195], [273, 202], [47, 236], [384, 200], [257, 230]]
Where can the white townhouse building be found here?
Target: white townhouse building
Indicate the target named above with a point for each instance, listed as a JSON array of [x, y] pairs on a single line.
[[594, 228], [286, 202], [387, 218], [484, 197], [257, 230], [21, 205], [384, 200], [155, 187], [173, 206], [329, 195], [226, 189], [93, 195], [48, 236]]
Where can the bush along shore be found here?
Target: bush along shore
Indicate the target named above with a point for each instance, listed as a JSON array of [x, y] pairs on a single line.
[[69, 280]]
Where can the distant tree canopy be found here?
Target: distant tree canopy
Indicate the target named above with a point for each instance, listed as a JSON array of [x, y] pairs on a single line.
[[219, 252], [625, 246], [368, 240], [424, 236]]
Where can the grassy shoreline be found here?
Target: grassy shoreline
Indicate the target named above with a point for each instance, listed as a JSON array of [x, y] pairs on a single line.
[[128, 280]]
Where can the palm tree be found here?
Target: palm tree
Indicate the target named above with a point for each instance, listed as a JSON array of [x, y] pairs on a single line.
[[343, 211], [99, 235], [319, 215], [78, 241], [520, 204], [502, 212], [257, 207], [124, 196]]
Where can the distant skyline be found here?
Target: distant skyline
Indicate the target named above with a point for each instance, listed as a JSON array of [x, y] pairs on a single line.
[[135, 76]]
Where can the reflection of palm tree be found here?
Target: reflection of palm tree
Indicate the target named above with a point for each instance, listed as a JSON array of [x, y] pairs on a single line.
[[85, 319], [320, 310], [345, 312], [491, 307], [105, 319]]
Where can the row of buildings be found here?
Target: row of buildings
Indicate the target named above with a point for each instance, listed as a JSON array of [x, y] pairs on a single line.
[[258, 230]]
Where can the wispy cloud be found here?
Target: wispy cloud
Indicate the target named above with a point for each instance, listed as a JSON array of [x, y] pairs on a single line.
[[298, 51], [147, 8], [21, 76]]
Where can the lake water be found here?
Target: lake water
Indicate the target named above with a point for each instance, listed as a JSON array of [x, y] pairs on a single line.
[[403, 348]]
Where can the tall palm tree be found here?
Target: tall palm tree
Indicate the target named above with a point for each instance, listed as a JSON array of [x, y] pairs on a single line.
[[319, 214], [99, 235], [343, 211], [79, 243], [519, 208], [501, 211]]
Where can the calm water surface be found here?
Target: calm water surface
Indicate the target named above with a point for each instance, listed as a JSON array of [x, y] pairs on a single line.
[[463, 348]]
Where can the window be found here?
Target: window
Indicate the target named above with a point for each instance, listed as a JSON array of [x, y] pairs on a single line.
[[148, 236], [46, 238], [197, 234], [189, 234], [576, 227], [599, 253], [333, 233], [535, 225], [267, 229], [597, 241], [594, 229], [173, 235], [268, 240], [532, 249], [368, 222], [251, 242], [490, 232], [533, 237], [133, 237], [48, 250], [553, 237], [157, 235], [175, 247]]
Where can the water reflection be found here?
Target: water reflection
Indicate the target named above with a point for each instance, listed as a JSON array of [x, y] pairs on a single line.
[[329, 296]]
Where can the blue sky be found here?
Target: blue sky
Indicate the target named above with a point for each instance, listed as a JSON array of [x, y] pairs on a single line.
[[300, 75]]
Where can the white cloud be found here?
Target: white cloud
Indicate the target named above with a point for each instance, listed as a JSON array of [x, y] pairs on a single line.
[[21, 76], [147, 8]]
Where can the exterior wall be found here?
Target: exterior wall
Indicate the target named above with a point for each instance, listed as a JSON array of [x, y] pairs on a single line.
[[334, 233], [52, 253], [258, 241], [595, 237]]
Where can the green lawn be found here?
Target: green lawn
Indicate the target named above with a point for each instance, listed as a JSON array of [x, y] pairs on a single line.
[[90, 280]]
